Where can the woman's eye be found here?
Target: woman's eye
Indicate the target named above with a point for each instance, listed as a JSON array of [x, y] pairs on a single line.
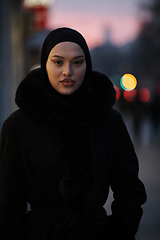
[[59, 63], [77, 63]]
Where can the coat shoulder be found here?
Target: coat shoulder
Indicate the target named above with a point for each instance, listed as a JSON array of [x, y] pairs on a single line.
[[17, 117], [114, 114], [114, 117], [17, 121]]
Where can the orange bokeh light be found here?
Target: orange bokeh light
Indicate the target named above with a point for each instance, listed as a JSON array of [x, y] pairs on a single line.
[[128, 82]]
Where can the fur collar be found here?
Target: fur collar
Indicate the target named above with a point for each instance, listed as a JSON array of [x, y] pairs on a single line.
[[82, 211], [32, 97]]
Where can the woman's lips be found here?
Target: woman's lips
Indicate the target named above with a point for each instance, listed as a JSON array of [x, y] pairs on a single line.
[[68, 82]]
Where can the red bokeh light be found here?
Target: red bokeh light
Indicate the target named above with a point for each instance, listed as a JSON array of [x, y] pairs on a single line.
[[130, 96], [118, 92], [143, 94]]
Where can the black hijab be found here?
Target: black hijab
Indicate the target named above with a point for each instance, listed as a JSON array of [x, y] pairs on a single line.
[[66, 35]]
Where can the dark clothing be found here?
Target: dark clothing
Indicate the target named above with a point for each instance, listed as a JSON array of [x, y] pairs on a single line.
[[32, 167]]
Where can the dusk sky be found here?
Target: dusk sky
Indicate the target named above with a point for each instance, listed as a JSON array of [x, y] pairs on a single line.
[[93, 18]]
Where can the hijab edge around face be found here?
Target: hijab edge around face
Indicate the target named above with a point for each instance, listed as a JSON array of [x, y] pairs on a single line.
[[65, 35]]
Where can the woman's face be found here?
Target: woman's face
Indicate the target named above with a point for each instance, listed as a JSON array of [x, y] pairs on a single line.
[[66, 67]]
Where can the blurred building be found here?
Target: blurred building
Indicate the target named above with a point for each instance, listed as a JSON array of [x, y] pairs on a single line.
[[15, 25], [22, 30], [39, 10]]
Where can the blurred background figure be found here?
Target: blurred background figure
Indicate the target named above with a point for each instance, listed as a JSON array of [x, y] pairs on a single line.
[[124, 38]]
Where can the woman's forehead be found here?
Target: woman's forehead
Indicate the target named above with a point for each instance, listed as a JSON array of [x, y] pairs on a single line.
[[67, 48]]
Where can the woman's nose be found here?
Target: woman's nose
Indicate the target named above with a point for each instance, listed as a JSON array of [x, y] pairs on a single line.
[[67, 70]]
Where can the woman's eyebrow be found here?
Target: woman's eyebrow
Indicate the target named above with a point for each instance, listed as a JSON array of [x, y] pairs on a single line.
[[63, 57], [79, 56], [57, 56]]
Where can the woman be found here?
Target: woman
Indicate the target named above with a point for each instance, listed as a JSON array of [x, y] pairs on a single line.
[[62, 150]]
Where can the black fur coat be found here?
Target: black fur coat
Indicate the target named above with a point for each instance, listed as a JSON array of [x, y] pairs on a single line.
[[62, 160]]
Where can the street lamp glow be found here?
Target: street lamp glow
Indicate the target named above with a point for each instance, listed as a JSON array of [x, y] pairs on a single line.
[[33, 3], [128, 82]]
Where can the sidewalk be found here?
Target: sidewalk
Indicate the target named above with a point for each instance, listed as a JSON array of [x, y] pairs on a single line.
[[149, 161], [147, 147]]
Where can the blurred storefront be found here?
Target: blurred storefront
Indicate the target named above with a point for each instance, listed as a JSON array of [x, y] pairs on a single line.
[[22, 30], [14, 27]]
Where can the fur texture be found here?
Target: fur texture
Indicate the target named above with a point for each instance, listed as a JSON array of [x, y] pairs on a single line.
[[79, 185], [32, 96]]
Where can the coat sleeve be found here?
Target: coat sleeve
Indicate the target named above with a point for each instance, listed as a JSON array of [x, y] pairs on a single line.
[[128, 191], [12, 186]]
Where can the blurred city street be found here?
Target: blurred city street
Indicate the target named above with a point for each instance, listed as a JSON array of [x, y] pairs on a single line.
[[149, 160], [147, 147]]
